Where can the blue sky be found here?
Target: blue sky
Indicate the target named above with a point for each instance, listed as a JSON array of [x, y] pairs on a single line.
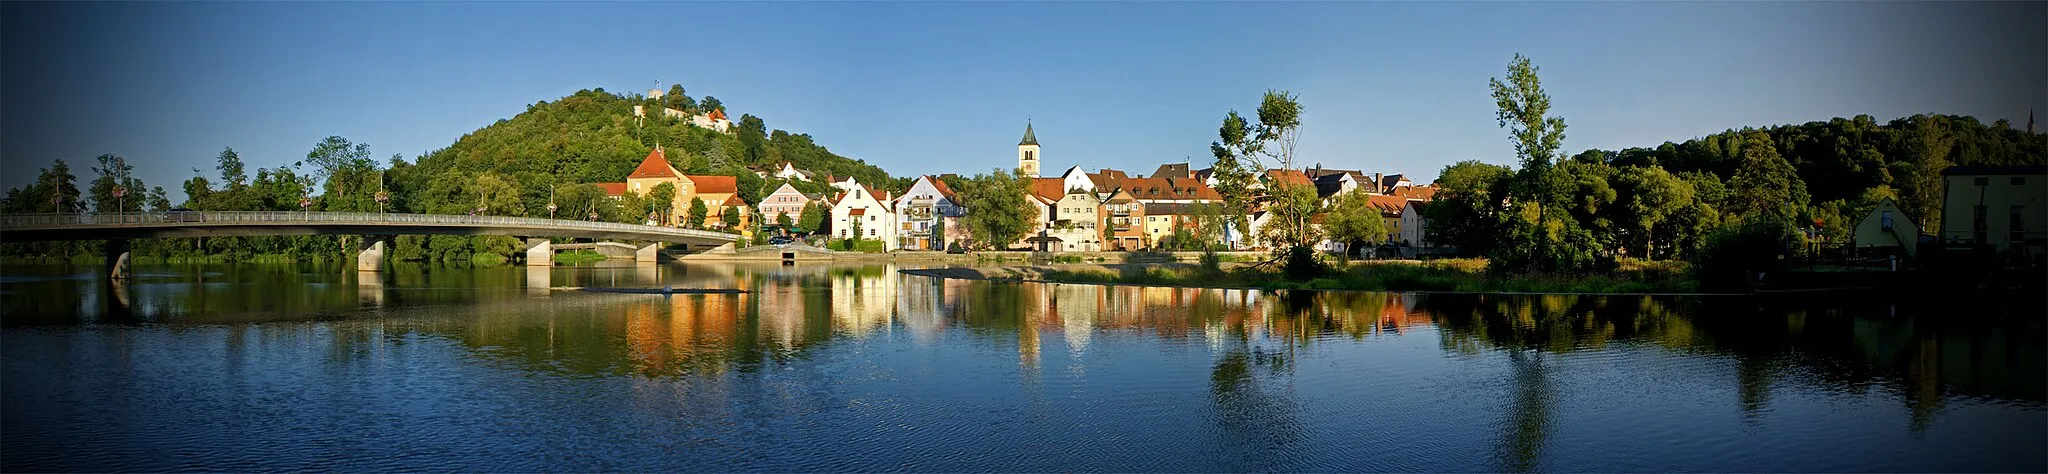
[[936, 87]]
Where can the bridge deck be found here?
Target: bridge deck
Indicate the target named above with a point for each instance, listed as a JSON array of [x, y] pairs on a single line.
[[49, 227]]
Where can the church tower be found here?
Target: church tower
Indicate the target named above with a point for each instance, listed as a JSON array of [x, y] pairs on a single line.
[[1027, 153]]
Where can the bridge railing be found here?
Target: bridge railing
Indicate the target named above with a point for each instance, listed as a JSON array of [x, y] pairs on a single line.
[[22, 221]]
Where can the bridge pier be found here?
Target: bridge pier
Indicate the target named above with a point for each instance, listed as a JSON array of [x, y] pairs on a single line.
[[540, 280], [117, 259], [371, 257], [648, 254], [540, 253]]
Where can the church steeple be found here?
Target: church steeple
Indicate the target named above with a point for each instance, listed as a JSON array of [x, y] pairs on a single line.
[[1027, 152]]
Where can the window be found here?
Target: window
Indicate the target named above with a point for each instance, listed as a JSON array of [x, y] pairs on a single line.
[[2018, 227], [871, 232], [1885, 219], [1027, 155], [2019, 181], [1982, 181], [1977, 224]]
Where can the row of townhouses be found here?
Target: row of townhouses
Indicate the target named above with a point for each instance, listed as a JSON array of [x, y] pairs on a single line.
[[1104, 210]]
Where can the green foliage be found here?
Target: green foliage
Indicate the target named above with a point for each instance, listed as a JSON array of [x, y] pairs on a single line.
[[1523, 109], [858, 245], [661, 201], [998, 213], [116, 189], [1211, 263], [1245, 150], [813, 218], [1353, 220], [1302, 264], [1469, 207], [1768, 184], [731, 219], [592, 137], [695, 219], [1735, 254]]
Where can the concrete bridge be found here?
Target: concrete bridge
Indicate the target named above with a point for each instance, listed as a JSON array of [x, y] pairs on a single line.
[[117, 229]]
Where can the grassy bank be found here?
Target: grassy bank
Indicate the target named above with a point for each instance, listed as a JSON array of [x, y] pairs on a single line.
[[578, 257], [1466, 275]]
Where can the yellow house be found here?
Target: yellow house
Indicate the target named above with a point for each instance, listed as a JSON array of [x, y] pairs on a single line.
[[719, 193], [1885, 228], [1999, 207]]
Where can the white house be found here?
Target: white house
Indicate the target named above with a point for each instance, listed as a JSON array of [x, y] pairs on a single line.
[[1074, 178], [789, 172], [864, 213], [928, 202], [1413, 226], [845, 183]]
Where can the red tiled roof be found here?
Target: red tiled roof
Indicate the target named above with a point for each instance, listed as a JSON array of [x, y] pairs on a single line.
[[715, 184], [1290, 177], [734, 201], [858, 211], [1414, 192], [1052, 189], [941, 186], [1388, 205], [655, 166], [614, 189], [1168, 188]]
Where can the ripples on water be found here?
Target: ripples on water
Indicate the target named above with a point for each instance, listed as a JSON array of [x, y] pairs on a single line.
[[860, 368]]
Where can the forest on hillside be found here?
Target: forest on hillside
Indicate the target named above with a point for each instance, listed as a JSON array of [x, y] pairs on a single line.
[[549, 154]]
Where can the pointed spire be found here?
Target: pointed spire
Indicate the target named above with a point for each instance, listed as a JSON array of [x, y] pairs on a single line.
[[2030, 121], [1029, 138]]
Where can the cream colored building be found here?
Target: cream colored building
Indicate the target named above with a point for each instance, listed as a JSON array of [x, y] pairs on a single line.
[[1999, 207], [1887, 227], [1077, 222]]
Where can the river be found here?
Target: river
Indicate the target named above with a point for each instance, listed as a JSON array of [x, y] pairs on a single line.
[[860, 368]]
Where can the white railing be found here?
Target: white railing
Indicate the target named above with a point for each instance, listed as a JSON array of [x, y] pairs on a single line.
[[173, 218]]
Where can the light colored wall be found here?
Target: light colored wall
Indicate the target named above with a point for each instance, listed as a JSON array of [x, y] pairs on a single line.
[[1870, 231], [1084, 213], [1030, 166], [877, 223], [1999, 194]]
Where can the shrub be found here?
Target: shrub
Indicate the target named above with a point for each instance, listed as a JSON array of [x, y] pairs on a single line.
[[1302, 264], [1212, 264], [1734, 254]]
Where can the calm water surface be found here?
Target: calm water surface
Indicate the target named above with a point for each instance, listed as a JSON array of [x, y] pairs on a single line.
[[860, 368]]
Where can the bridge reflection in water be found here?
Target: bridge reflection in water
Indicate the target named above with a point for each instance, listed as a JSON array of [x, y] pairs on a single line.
[[1509, 372]]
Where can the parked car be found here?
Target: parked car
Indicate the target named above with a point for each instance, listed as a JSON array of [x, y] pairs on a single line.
[[780, 240], [179, 214]]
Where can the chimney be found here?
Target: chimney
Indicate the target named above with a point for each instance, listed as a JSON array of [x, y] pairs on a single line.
[[1376, 181]]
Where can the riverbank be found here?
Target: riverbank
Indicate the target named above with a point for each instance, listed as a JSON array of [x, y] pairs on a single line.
[[1451, 275]]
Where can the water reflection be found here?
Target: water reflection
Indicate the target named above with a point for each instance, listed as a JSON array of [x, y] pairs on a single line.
[[1263, 362]]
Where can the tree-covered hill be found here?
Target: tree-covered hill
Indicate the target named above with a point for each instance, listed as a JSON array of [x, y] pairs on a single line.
[[592, 136]]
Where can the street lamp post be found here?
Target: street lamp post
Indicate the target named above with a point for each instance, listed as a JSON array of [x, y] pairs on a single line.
[[121, 203], [382, 197], [551, 202]]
